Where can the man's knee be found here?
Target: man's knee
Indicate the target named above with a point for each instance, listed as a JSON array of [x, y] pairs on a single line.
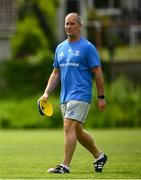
[[69, 125]]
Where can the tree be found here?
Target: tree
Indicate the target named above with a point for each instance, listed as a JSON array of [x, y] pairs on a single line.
[[35, 27]]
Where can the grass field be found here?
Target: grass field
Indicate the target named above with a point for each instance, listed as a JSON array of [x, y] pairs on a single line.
[[27, 154]]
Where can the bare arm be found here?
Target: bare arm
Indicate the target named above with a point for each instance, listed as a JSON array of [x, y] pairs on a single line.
[[97, 71], [52, 83]]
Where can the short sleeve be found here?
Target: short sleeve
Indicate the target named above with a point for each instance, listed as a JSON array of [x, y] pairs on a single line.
[[55, 64], [93, 56]]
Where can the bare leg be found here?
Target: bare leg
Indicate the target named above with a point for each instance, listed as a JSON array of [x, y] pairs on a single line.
[[87, 141], [70, 140]]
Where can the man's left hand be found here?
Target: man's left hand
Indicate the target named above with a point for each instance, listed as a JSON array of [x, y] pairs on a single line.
[[101, 103]]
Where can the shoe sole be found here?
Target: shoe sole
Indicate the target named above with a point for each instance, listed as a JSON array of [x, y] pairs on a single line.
[[52, 170]]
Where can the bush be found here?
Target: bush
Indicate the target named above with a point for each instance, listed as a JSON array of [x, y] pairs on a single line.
[[27, 42], [26, 77], [26, 82], [123, 106], [35, 27], [23, 113]]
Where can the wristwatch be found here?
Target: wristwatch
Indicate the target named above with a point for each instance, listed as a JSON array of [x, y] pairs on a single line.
[[101, 97]]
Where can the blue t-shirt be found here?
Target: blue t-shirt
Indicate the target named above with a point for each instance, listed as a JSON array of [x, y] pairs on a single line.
[[75, 60]]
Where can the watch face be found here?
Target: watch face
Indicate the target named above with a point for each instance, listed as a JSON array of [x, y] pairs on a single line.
[[101, 97]]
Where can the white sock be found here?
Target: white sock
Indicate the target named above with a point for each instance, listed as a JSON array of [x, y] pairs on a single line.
[[101, 156], [65, 166]]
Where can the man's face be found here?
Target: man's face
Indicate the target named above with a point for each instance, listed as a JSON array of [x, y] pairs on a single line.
[[72, 27]]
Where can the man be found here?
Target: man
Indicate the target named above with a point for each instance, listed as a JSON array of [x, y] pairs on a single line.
[[76, 61]]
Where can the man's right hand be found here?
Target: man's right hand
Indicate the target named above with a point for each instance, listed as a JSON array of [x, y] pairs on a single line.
[[45, 95]]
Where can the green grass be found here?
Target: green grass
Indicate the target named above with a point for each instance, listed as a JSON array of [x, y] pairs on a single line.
[[27, 154]]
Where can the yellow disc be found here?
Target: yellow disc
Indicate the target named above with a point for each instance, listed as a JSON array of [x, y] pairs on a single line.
[[46, 107]]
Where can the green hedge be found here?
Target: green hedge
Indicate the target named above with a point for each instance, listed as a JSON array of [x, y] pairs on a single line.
[[25, 77], [23, 113], [23, 82], [123, 106]]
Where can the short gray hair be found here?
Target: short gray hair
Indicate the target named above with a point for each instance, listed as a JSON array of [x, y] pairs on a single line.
[[79, 19]]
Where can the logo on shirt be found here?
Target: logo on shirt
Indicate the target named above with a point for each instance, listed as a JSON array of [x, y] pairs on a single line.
[[69, 50], [69, 57], [61, 54], [76, 53]]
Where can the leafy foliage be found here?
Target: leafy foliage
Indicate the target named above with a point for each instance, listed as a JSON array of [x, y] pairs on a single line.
[[22, 92], [23, 78], [123, 106], [35, 27], [27, 42]]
